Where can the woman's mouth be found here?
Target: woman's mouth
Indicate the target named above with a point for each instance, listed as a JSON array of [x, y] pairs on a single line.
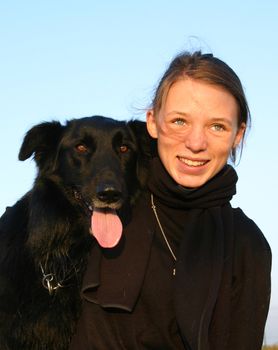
[[192, 163]]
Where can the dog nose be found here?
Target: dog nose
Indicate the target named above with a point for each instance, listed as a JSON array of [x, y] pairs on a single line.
[[109, 195]]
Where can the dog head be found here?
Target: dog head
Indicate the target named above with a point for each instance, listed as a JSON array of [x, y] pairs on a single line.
[[98, 163]]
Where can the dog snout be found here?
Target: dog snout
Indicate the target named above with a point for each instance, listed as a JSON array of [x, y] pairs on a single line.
[[108, 194]]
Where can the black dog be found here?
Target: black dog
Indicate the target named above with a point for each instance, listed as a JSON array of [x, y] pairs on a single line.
[[89, 173]]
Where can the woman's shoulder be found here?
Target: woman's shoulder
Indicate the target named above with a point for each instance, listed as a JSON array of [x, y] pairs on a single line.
[[248, 234]]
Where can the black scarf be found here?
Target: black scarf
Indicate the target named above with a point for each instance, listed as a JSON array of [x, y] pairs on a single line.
[[216, 192], [201, 254]]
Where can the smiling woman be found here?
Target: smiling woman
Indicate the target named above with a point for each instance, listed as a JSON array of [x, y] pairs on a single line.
[[193, 273], [196, 127]]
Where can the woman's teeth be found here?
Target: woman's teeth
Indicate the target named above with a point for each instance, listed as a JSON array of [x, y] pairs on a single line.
[[190, 162]]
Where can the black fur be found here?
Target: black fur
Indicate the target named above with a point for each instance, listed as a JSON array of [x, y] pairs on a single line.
[[89, 162]]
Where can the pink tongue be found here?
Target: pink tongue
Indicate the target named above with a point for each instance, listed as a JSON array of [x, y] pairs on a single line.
[[106, 227]]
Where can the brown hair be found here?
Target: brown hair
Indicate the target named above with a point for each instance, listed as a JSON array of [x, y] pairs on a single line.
[[209, 69]]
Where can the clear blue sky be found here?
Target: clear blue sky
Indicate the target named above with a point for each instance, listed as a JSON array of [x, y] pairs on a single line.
[[65, 59]]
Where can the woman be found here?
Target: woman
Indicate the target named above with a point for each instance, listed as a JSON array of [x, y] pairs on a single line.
[[194, 273]]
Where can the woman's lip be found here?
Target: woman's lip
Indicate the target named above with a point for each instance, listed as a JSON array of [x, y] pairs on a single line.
[[193, 162]]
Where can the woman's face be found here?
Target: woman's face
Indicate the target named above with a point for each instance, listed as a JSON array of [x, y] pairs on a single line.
[[196, 129]]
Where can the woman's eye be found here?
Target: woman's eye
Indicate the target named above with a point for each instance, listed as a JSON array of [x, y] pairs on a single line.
[[218, 127], [81, 148], [179, 122], [124, 148]]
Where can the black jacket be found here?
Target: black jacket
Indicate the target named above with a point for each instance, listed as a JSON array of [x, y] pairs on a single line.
[[117, 285]]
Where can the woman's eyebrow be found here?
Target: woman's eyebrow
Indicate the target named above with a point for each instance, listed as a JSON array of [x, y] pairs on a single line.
[[183, 114], [221, 120]]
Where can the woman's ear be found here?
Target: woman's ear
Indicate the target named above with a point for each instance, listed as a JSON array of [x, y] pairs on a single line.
[[151, 123], [239, 134]]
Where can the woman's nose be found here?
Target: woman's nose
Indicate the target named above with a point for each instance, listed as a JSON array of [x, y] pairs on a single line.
[[196, 139]]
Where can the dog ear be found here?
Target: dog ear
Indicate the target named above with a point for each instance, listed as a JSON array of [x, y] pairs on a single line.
[[146, 144], [42, 141], [146, 149]]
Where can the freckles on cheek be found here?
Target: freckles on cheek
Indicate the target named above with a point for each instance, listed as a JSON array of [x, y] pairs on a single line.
[[166, 144], [165, 148], [168, 139]]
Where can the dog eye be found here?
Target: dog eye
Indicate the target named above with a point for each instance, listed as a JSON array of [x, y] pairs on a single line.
[[81, 148], [124, 148]]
